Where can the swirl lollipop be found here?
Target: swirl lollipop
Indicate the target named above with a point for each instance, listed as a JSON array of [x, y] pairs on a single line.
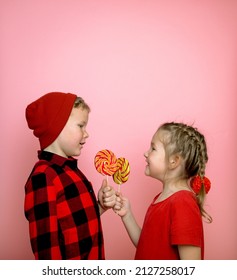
[[122, 174], [106, 162]]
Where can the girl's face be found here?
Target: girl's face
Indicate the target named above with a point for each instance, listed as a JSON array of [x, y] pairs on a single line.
[[73, 136], [156, 158]]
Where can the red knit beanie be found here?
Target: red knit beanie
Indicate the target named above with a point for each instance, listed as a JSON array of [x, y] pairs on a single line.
[[48, 115]]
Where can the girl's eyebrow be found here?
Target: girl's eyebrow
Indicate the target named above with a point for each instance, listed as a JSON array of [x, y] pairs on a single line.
[[153, 144]]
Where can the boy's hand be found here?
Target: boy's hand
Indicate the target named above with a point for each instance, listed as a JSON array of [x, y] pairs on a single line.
[[106, 196]]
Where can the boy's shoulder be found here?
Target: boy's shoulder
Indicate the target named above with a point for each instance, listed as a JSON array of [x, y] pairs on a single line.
[[42, 165], [43, 174], [46, 167]]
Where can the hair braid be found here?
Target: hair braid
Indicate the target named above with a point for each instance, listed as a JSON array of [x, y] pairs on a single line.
[[190, 144], [203, 158]]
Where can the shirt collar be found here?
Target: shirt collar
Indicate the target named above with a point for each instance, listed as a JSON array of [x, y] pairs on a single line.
[[56, 159]]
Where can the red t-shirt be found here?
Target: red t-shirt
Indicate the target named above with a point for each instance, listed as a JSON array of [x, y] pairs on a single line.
[[174, 221]]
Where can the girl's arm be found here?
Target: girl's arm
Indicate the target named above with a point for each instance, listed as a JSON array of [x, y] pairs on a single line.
[[129, 220], [189, 252]]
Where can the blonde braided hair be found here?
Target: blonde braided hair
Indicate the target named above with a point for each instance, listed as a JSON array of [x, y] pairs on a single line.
[[190, 144]]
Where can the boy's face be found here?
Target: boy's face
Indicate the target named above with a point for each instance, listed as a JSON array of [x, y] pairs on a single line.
[[73, 136]]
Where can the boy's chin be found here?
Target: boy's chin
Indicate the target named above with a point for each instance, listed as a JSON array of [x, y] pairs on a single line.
[[76, 154]]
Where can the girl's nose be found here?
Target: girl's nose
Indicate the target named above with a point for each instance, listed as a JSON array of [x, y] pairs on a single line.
[[146, 154], [86, 134]]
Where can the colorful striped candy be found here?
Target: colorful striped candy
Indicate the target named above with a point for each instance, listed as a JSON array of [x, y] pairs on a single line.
[[106, 162], [122, 174]]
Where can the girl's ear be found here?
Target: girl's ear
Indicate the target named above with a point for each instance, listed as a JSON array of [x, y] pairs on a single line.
[[174, 161]]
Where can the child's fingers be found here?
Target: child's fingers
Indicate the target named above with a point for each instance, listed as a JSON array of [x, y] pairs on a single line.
[[109, 198], [107, 192], [117, 207]]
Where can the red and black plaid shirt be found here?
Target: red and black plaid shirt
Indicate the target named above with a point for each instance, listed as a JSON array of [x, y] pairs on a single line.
[[62, 211]]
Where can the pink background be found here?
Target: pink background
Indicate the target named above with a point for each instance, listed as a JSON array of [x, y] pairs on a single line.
[[137, 63]]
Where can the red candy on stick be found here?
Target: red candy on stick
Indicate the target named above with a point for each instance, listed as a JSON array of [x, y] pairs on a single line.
[[106, 162]]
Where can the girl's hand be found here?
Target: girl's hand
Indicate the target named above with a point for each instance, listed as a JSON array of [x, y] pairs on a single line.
[[122, 207]]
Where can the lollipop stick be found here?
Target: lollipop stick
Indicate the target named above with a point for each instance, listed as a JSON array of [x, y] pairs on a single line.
[[107, 180], [119, 188]]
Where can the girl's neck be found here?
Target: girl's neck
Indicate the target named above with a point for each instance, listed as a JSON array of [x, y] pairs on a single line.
[[171, 187], [175, 184]]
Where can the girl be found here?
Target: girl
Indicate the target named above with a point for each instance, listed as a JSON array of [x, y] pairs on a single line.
[[173, 227]]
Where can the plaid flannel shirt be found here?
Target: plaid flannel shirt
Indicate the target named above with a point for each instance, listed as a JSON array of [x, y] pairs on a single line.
[[62, 210]]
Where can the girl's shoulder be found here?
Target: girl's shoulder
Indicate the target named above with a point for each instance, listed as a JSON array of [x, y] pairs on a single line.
[[183, 199], [175, 196], [183, 195]]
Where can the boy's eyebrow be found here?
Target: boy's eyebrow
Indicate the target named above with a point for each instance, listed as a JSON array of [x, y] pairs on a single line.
[[84, 122]]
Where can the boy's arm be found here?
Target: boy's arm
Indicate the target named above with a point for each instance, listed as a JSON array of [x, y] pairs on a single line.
[[102, 209], [40, 210]]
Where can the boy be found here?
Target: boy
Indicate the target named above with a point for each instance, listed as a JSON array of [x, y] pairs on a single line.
[[60, 204]]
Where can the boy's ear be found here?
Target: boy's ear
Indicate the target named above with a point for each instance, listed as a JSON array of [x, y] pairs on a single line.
[[174, 161]]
